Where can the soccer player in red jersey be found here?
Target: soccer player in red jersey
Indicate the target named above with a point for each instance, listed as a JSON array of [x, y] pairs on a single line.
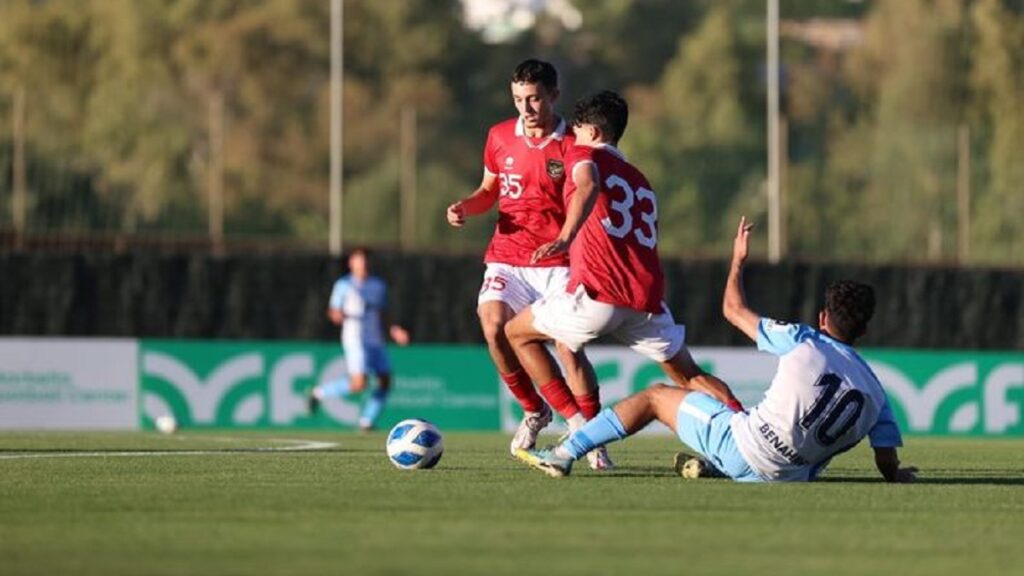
[[616, 284], [524, 172]]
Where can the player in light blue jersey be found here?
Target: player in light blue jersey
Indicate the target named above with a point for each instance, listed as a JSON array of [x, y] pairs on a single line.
[[822, 401], [359, 305]]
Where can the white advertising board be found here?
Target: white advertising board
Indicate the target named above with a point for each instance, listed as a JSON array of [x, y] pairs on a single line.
[[68, 384]]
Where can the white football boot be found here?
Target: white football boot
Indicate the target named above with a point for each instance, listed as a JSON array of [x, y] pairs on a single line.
[[529, 428], [599, 460]]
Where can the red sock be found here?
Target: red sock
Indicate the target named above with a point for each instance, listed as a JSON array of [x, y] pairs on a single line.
[[560, 398], [522, 388], [589, 403]]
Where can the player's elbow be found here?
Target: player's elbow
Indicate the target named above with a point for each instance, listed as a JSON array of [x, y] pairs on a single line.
[[731, 310]]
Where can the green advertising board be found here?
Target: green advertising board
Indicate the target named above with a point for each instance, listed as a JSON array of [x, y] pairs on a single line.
[[975, 393], [259, 384], [264, 385]]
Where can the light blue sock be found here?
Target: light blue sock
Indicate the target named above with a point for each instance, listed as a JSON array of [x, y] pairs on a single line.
[[373, 407], [604, 428], [334, 388]]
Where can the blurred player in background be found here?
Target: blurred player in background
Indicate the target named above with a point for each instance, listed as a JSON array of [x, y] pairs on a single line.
[[822, 401], [524, 172], [358, 305], [616, 285]]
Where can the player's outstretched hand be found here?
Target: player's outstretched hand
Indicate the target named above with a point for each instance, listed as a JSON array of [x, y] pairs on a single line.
[[741, 245], [456, 215], [399, 335], [905, 475], [553, 248]]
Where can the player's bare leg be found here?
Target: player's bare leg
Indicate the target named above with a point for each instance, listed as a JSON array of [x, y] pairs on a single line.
[[682, 369], [659, 402], [529, 345], [582, 381], [494, 316], [341, 387]]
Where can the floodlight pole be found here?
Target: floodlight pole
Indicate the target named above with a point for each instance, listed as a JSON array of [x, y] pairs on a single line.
[[19, 195], [774, 191], [337, 67]]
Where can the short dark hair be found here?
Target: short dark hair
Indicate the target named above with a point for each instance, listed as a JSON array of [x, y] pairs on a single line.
[[850, 306], [606, 110], [533, 71], [363, 251]]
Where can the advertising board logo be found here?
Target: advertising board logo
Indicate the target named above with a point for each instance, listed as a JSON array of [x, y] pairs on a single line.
[[248, 389], [958, 398]]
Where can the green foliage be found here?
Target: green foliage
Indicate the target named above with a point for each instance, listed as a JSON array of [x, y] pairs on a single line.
[[119, 100]]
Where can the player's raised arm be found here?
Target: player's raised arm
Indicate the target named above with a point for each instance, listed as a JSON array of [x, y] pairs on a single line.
[[478, 202], [585, 177], [734, 303]]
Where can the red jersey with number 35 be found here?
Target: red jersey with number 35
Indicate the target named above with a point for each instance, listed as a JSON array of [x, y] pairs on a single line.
[[531, 174], [615, 254]]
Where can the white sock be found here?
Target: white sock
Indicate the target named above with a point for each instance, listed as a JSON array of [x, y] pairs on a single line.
[[576, 422]]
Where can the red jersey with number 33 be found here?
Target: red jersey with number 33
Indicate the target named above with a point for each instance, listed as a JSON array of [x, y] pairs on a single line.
[[615, 253], [531, 175]]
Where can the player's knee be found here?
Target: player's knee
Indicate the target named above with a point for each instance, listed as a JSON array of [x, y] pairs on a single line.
[[494, 329], [357, 383]]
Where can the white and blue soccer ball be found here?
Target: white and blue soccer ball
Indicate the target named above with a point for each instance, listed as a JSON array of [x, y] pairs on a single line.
[[415, 444]]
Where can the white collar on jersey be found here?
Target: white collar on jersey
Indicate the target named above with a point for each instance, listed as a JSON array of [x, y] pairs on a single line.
[[612, 149], [558, 134]]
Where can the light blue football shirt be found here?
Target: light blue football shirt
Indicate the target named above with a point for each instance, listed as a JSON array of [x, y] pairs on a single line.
[[822, 401], [362, 304]]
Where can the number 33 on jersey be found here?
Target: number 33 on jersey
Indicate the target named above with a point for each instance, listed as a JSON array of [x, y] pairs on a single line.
[[615, 254]]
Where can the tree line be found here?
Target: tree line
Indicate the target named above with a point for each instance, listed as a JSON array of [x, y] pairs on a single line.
[[902, 143]]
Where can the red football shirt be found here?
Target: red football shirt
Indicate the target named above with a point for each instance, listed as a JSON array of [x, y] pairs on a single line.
[[615, 253], [531, 174]]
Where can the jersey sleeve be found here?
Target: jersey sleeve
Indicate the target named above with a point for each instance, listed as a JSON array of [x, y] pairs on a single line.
[[885, 433], [338, 294], [576, 157], [780, 338], [490, 163]]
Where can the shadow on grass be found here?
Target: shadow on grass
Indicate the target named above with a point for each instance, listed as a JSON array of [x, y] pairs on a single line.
[[171, 451], [948, 480]]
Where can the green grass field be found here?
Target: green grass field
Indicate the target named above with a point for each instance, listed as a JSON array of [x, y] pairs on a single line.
[[114, 504]]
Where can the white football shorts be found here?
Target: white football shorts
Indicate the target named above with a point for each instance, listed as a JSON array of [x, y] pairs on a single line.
[[519, 286], [575, 319]]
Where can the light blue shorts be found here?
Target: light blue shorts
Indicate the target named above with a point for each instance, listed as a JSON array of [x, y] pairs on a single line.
[[703, 423], [362, 359]]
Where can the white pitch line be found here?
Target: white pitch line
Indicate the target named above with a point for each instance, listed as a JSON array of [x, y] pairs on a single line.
[[298, 446]]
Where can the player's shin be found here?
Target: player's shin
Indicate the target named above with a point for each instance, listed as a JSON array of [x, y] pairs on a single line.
[[373, 407], [558, 395], [333, 389], [589, 404], [604, 428], [520, 385]]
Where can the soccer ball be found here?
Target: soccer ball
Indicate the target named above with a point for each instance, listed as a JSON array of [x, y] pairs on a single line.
[[414, 444], [166, 424]]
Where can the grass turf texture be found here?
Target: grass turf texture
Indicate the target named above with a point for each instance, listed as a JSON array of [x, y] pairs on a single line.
[[346, 510]]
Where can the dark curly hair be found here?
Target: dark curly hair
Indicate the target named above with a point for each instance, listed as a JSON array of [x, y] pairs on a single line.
[[535, 71], [606, 110], [850, 306]]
